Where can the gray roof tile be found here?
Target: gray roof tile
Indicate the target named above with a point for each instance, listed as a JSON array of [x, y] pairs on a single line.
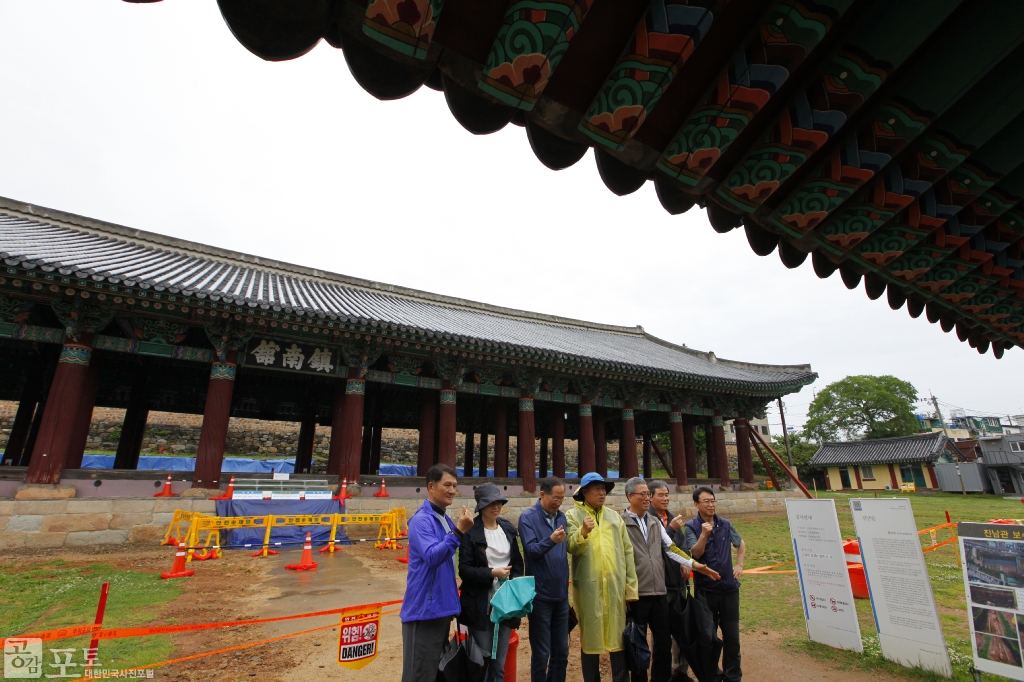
[[920, 447]]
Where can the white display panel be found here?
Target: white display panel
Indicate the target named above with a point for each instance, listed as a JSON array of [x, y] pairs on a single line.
[[993, 561], [906, 616], [825, 592]]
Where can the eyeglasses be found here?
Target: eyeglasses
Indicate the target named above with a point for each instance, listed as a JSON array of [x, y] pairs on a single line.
[[559, 500], [641, 494]]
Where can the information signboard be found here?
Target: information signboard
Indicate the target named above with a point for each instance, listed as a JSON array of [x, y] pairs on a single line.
[[906, 617], [829, 611], [993, 561]]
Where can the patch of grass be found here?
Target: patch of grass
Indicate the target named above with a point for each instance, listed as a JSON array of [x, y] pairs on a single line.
[[772, 602], [54, 594]]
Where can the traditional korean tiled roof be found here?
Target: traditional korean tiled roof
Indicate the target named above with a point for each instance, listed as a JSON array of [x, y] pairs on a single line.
[[53, 241], [884, 139], [922, 447]]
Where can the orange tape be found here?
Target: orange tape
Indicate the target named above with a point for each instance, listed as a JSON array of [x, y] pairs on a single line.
[[193, 657], [119, 633]]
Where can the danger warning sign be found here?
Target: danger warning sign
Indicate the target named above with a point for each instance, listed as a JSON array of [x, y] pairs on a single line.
[[357, 637]]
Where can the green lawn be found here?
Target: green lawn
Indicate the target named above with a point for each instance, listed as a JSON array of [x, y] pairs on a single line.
[[53, 594], [772, 602]]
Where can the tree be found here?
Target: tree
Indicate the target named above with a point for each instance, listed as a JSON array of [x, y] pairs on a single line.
[[863, 407], [803, 449]]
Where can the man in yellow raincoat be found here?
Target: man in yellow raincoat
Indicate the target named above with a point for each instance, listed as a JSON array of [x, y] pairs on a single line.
[[603, 577]]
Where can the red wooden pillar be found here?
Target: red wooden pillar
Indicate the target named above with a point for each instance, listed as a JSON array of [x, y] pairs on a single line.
[[469, 452], [892, 477], [352, 426], [526, 447], [216, 416], [627, 446], [83, 419], [600, 444], [542, 465], [307, 441], [483, 447], [709, 446], [55, 441], [428, 422], [744, 457], [500, 439], [585, 455], [931, 476], [676, 441], [337, 417], [446, 433], [718, 429], [690, 445], [856, 473], [558, 441]]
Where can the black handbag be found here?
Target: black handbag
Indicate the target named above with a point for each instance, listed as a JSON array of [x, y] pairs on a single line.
[[462, 660], [701, 646], [634, 643]]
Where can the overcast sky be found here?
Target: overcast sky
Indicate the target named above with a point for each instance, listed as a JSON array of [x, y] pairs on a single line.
[[154, 117]]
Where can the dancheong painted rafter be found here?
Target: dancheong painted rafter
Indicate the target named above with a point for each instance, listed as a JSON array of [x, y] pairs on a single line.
[[884, 139]]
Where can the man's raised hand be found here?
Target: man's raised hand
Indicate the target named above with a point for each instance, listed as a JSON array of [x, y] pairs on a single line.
[[558, 535], [465, 521], [588, 525]]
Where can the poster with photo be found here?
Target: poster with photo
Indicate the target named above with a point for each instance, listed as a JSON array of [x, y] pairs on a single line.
[[993, 561]]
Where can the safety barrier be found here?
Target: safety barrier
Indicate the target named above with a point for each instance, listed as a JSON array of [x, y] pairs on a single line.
[[391, 526]]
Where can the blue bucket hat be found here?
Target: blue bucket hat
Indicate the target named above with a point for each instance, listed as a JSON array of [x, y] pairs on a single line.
[[592, 477]]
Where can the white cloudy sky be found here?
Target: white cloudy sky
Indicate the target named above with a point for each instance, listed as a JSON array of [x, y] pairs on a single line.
[[153, 116]]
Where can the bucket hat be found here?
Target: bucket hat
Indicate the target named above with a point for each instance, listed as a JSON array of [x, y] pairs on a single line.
[[487, 494], [592, 477]]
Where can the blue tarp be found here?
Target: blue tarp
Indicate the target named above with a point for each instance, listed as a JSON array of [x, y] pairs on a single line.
[[290, 536], [410, 470], [231, 465]]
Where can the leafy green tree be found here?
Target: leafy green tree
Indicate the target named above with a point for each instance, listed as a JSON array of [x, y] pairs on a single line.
[[863, 407]]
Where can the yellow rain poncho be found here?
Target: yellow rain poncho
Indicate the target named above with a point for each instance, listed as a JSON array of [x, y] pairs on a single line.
[[603, 577]]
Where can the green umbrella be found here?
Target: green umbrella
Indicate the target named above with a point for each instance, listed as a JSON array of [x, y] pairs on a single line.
[[514, 599]]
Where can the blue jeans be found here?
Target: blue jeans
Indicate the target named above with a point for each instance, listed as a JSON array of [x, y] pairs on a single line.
[[549, 640], [485, 640]]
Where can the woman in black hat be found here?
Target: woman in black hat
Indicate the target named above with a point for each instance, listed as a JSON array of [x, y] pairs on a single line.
[[488, 555]]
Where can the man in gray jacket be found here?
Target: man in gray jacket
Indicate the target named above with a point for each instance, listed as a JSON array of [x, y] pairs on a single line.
[[651, 544]]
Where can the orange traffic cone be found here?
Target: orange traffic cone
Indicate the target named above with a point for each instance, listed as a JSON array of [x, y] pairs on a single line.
[[343, 493], [264, 552], [166, 492], [178, 569], [307, 563], [404, 559], [383, 490], [229, 493]]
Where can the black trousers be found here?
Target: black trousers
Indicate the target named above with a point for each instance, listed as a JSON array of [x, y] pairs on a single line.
[[725, 607], [591, 664], [422, 646], [676, 604], [651, 612]]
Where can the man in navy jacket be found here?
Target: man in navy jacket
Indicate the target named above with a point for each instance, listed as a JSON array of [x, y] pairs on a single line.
[[431, 595], [542, 529]]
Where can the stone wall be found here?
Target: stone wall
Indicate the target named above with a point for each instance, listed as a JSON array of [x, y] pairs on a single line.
[[38, 524]]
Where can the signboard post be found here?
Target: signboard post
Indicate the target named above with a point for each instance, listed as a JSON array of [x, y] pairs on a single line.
[[357, 636], [829, 611], [993, 563], [906, 617]]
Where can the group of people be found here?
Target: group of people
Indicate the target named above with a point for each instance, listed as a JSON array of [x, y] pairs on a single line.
[[635, 564]]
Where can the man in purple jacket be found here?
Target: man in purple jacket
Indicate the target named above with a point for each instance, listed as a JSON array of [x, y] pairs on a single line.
[[431, 595]]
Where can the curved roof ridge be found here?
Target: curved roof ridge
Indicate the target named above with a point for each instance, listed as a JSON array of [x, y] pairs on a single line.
[[860, 443], [711, 357], [163, 242]]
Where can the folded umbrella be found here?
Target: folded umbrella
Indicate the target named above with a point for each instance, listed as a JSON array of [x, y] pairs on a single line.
[[634, 643], [701, 646], [514, 599]]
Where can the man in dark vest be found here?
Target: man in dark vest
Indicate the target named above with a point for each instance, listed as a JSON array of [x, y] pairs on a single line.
[[711, 538]]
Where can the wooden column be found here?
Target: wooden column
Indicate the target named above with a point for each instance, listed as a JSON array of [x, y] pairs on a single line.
[[483, 446], [558, 441], [525, 446], [307, 441], [446, 430], [648, 465], [428, 424], [677, 441], [500, 439], [718, 428], [744, 456], [337, 417], [129, 445], [467, 467], [216, 416], [627, 446], [712, 453], [892, 477], [55, 441], [83, 420], [600, 443], [30, 394], [690, 446], [542, 465], [375, 439], [585, 456], [352, 426]]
